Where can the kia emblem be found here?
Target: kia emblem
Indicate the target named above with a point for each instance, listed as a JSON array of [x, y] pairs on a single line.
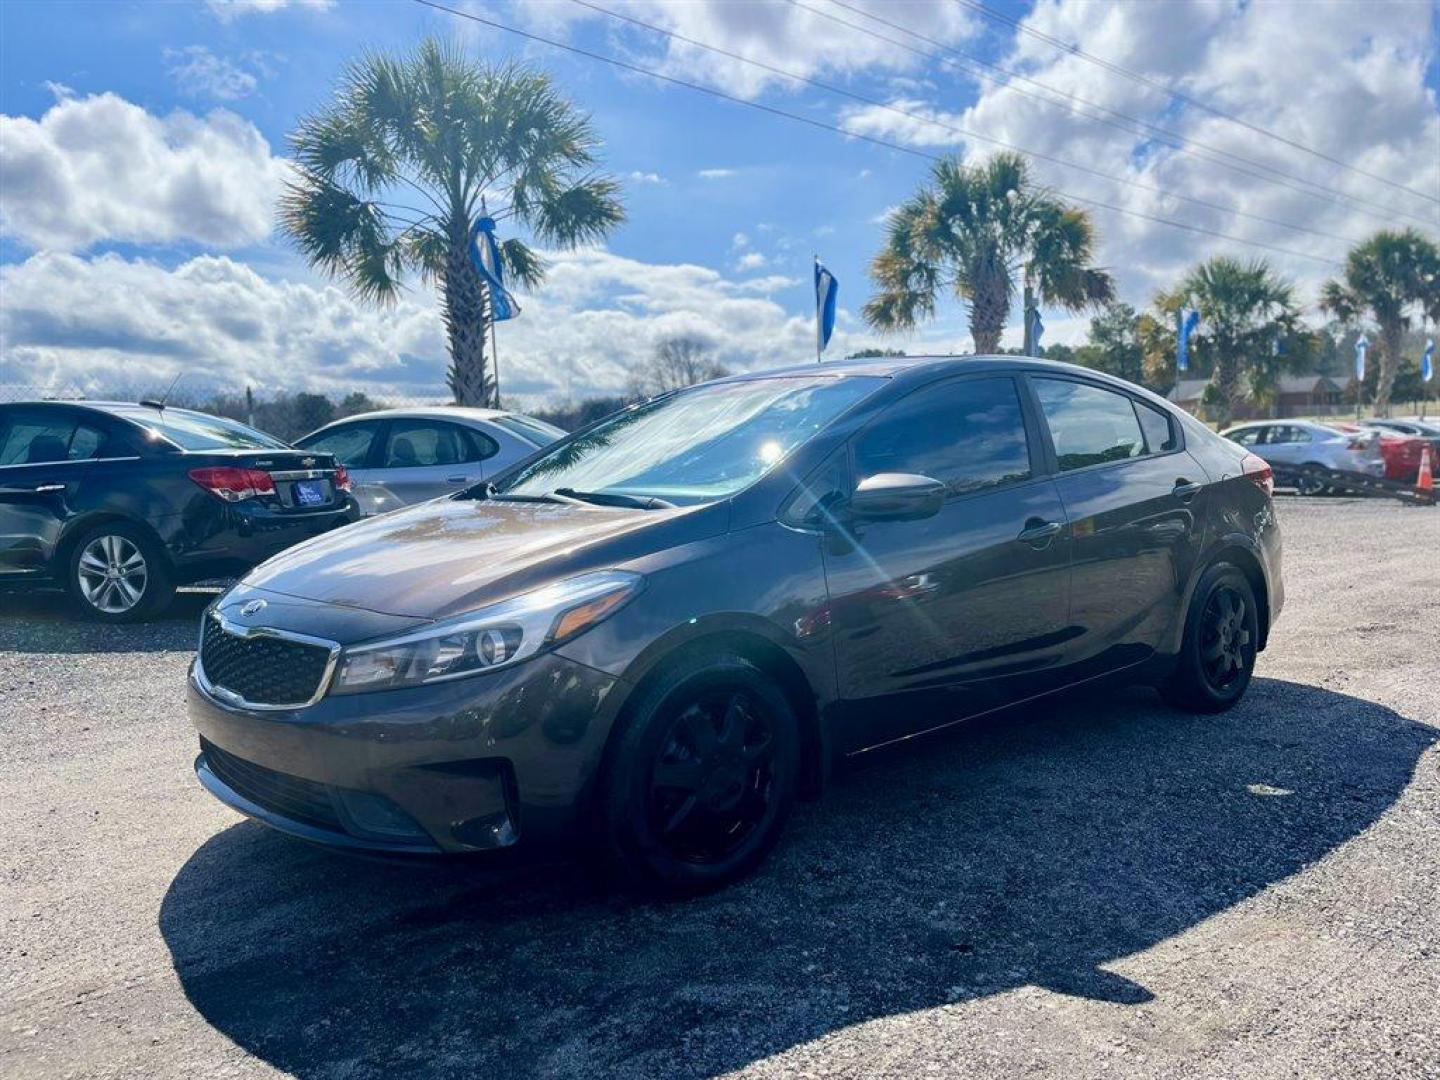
[[251, 607]]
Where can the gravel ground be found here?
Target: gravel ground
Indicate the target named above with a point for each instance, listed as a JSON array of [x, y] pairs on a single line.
[[1098, 887]]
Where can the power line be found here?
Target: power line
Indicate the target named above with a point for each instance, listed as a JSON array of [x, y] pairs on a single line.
[[899, 111], [1174, 140], [822, 125], [1144, 80]]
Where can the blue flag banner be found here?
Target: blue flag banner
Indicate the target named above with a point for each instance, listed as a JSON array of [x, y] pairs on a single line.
[[1360, 347], [825, 289], [1427, 361], [485, 254], [1037, 330], [1186, 320]]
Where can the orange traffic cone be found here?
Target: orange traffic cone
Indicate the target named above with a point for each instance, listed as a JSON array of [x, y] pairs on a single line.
[[1425, 482]]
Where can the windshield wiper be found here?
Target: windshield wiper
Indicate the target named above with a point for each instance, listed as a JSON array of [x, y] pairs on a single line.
[[615, 498]]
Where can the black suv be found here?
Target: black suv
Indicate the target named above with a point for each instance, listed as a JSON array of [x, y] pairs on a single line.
[[120, 503]]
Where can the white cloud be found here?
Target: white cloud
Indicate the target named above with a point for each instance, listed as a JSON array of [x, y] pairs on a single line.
[[200, 73], [638, 177], [783, 36], [101, 168], [230, 10], [751, 260], [715, 174], [1351, 84], [107, 323], [739, 240]]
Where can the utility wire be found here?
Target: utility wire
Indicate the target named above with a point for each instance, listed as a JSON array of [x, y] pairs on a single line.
[[822, 125], [955, 129], [1121, 122], [1144, 80]]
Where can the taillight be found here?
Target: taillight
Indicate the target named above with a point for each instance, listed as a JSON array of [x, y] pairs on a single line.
[[1259, 472], [232, 483], [342, 478]]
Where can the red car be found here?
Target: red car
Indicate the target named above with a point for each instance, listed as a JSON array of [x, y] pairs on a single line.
[[1401, 452]]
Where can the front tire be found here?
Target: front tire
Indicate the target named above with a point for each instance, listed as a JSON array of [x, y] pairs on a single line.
[[1313, 479], [117, 573], [1222, 635], [703, 777]]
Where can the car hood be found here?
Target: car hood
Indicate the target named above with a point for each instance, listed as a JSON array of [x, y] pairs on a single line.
[[446, 557]]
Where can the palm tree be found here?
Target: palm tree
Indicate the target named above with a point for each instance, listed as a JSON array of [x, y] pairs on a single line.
[[395, 170], [1385, 276], [978, 232], [1246, 310]]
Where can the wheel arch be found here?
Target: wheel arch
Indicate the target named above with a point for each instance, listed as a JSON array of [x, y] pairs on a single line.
[[76, 529], [1237, 551], [768, 655]]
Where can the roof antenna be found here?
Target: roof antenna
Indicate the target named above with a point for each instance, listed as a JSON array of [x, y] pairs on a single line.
[[152, 403]]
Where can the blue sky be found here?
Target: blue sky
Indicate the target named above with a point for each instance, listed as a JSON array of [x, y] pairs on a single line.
[[142, 156]]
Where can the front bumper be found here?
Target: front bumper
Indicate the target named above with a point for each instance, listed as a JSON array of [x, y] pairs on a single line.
[[471, 765]]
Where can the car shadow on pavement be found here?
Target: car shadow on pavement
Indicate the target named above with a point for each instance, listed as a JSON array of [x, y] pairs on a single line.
[[46, 622], [1033, 847]]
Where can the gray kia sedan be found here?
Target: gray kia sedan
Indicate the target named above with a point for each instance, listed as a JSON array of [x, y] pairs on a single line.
[[653, 637]]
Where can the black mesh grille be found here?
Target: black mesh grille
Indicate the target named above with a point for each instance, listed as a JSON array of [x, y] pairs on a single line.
[[289, 796], [263, 670]]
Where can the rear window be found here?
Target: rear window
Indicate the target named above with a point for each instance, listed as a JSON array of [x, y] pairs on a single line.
[[529, 429], [197, 431]]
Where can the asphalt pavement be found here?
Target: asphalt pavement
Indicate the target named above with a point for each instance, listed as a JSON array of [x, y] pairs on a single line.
[[1098, 887]]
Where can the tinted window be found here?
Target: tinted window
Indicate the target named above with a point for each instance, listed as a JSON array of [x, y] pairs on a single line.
[[422, 443], [530, 429], [703, 443], [350, 444], [86, 443], [1247, 437], [33, 438], [196, 431], [1089, 425], [969, 435], [1159, 436]]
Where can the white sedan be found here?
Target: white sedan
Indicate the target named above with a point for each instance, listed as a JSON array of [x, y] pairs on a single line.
[[401, 456]]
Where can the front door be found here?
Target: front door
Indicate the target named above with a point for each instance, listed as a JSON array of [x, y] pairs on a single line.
[[937, 619], [1135, 503]]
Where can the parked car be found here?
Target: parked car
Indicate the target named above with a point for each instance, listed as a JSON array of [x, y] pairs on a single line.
[[397, 457], [1408, 459], [1312, 456], [654, 636], [1401, 453], [120, 503]]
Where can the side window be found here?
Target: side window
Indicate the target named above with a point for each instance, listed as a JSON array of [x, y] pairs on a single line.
[[86, 443], [968, 434], [481, 446], [1281, 433], [1088, 425], [1299, 435], [421, 443], [34, 438], [1159, 432], [1248, 437], [350, 444]]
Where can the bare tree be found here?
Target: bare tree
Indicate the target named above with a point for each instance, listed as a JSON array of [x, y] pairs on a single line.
[[678, 361]]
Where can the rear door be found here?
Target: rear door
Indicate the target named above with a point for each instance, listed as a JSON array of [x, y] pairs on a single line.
[[961, 611], [424, 459], [45, 453], [357, 445], [1133, 498]]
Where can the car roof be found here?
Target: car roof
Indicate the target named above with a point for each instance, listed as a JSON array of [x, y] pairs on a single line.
[[427, 412], [113, 408], [891, 366]]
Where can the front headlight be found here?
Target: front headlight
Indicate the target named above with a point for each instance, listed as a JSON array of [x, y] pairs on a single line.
[[484, 640]]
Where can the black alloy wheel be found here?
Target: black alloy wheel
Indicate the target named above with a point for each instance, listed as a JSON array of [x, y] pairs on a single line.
[[702, 776], [1222, 636]]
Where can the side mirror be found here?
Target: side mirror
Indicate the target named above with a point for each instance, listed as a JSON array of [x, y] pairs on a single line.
[[897, 497]]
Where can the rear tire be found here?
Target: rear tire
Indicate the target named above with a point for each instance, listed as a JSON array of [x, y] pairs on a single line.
[[1222, 634], [1313, 479], [702, 778], [117, 573]]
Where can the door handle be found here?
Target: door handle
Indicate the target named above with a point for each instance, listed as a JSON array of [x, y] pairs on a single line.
[[1184, 490], [456, 479], [49, 489], [1039, 533]]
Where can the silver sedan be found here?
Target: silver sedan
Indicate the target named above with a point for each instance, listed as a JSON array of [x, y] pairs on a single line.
[[401, 456], [1309, 453]]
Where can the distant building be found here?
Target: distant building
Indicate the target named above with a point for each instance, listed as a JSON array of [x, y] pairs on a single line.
[[1298, 395]]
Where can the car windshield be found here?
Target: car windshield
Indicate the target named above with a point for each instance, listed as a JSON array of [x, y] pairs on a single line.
[[698, 445], [196, 431]]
